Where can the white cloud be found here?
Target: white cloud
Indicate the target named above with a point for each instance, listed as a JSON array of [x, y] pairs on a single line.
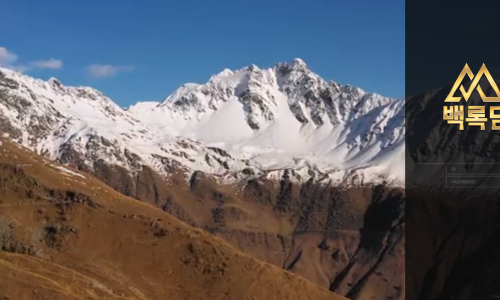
[[9, 60], [102, 71], [47, 64]]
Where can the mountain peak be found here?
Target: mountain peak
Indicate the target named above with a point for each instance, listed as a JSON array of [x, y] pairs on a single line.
[[225, 73], [257, 116], [296, 66], [55, 82], [252, 68], [298, 63]]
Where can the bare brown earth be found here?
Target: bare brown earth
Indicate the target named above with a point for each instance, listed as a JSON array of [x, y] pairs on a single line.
[[350, 241], [67, 237]]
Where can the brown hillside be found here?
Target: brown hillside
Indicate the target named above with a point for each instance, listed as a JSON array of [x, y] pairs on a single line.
[[66, 235], [348, 240]]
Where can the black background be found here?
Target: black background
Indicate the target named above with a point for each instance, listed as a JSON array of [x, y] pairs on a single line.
[[442, 36], [452, 240]]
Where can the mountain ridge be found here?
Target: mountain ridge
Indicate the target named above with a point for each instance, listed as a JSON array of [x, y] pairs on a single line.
[[284, 117]]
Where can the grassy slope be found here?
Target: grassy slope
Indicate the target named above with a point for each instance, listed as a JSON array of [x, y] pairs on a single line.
[[103, 245]]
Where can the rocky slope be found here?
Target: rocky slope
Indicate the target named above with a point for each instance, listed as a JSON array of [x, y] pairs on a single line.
[[65, 235], [294, 181]]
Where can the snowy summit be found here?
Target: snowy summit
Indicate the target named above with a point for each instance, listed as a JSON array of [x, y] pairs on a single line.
[[268, 121]]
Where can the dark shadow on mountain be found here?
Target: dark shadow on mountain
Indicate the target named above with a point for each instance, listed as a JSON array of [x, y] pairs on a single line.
[[451, 233]]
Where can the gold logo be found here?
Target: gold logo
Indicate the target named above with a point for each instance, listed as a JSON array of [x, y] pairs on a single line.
[[476, 115], [466, 71]]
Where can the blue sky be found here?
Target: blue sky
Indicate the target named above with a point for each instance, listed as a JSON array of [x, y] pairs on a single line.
[[144, 50]]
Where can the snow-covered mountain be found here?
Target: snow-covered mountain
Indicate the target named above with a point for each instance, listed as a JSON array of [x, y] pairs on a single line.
[[248, 122]]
